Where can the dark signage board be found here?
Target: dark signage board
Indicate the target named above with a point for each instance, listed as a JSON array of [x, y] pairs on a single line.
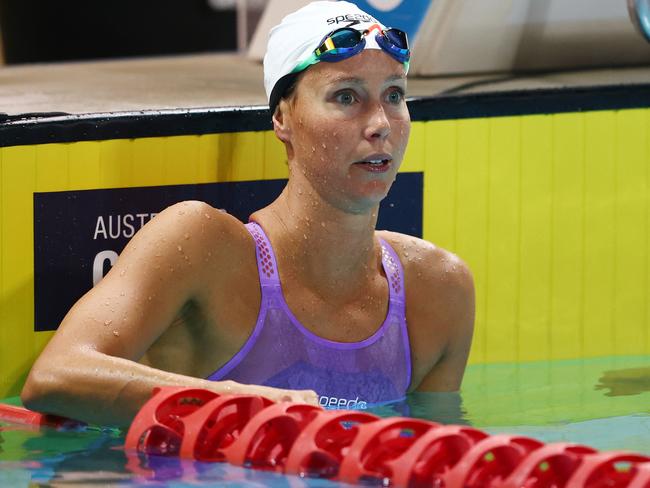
[[79, 234]]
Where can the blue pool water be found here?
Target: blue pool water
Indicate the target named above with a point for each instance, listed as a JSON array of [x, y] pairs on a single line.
[[603, 403]]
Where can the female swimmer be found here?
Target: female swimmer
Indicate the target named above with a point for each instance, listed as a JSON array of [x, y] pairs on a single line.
[[307, 302]]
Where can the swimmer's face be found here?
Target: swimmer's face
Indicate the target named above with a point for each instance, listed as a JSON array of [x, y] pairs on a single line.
[[341, 118]]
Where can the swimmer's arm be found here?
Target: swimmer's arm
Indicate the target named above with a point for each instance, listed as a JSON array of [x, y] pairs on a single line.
[[101, 389], [447, 374], [451, 311], [88, 371]]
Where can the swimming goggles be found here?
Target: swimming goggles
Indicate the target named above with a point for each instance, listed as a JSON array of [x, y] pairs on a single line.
[[346, 42]]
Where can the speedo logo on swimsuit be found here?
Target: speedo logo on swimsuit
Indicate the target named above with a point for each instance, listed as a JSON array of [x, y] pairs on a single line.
[[353, 19], [341, 403]]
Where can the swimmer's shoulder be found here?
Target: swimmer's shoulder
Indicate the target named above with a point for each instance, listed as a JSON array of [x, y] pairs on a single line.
[[194, 219], [427, 260], [207, 220], [438, 283], [193, 233]]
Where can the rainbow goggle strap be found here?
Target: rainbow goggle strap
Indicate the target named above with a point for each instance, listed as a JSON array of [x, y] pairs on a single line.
[[346, 42]]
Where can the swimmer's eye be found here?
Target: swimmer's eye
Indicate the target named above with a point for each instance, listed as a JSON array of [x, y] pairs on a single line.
[[345, 97], [395, 96]]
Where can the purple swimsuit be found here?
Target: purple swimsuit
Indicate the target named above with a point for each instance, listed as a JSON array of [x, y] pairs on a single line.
[[282, 353]]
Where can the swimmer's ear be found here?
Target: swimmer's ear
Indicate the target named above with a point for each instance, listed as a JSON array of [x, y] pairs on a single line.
[[281, 118]]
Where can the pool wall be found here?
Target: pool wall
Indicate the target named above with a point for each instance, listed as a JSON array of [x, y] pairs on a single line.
[[544, 194]]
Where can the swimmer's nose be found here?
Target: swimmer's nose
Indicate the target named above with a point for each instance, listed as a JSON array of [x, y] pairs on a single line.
[[378, 124]]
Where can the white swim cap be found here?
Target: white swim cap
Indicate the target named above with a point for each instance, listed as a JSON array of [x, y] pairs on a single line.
[[295, 38]]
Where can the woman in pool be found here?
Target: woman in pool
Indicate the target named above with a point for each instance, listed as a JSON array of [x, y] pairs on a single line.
[[361, 316]]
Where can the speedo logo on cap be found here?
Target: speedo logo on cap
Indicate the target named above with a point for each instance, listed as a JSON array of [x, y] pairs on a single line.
[[354, 18]]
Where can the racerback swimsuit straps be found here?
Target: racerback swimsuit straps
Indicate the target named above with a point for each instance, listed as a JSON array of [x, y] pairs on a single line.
[[282, 353]]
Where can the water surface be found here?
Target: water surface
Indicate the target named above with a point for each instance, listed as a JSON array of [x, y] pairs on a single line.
[[603, 403]]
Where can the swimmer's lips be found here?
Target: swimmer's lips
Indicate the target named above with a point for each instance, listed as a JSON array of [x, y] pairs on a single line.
[[376, 163]]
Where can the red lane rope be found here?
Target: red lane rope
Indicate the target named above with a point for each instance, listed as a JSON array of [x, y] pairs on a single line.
[[21, 415], [355, 447], [358, 447]]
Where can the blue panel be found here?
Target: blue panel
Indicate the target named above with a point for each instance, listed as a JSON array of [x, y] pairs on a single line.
[[72, 228], [405, 15]]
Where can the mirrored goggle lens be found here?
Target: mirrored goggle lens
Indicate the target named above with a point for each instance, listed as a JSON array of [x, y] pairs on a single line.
[[397, 38], [345, 38]]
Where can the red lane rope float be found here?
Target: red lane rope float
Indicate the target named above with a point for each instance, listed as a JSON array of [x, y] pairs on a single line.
[[217, 425], [158, 427], [320, 448], [490, 461], [267, 439], [432, 455], [376, 444], [550, 465], [607, 469]]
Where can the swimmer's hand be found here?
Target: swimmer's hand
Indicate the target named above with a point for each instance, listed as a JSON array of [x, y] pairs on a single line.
[[274, 394]]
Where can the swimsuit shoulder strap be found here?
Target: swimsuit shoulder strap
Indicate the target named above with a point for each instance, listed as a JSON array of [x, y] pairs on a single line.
[[266, 263], [397, 308], [394, 273]]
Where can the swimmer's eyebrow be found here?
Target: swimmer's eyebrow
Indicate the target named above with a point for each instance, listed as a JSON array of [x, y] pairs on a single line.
[[390, 79], [360, 81], [349, 79]]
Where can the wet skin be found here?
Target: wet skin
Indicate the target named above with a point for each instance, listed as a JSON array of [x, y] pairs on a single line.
[[184, 295], [341, 114]]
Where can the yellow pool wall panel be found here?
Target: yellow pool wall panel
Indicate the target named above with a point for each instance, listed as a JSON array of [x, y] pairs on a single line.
[[549, 211], [551, 214]]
